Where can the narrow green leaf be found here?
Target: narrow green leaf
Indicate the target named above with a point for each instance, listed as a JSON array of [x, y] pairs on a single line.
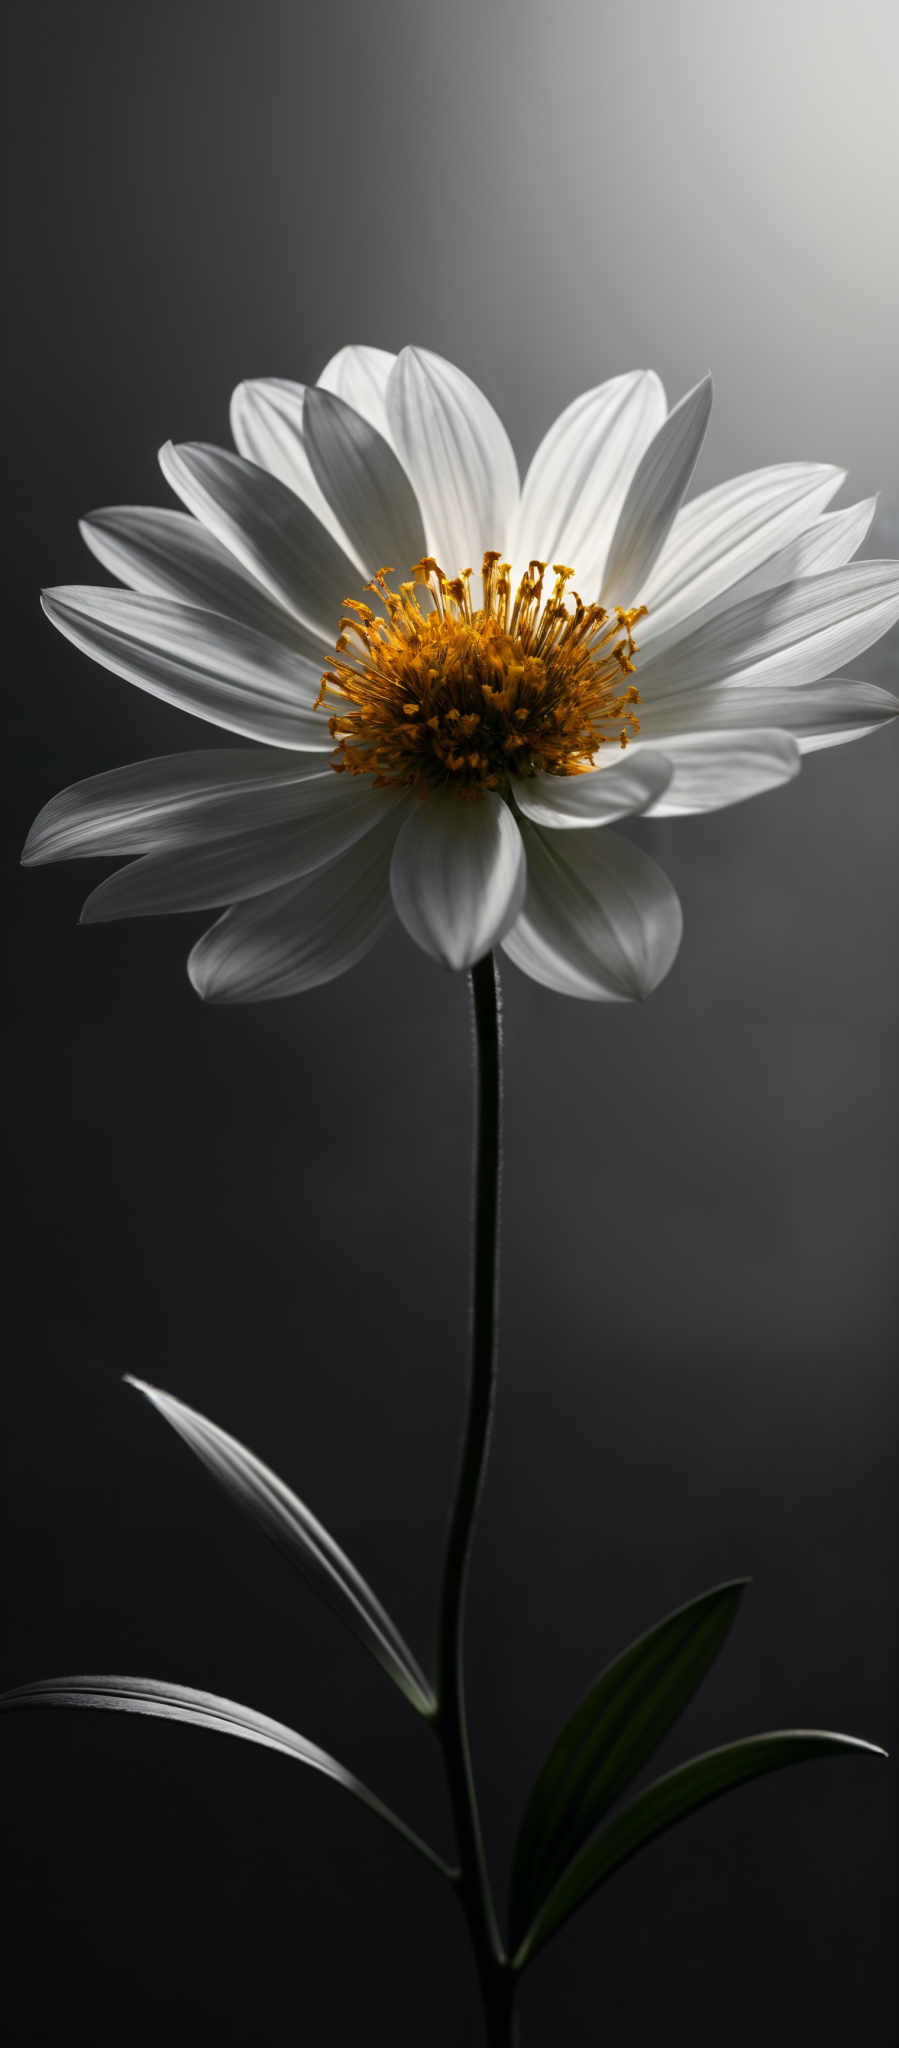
[[609, 1738], [207, 1710], [670, 1799], [288, 1523]]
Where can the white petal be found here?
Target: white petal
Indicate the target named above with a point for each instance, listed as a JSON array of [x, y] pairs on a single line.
[[303, 934], [600, 920], [821, 714], [725, 534], [458, 455], [175, 800], [267, 424], [246, 863], [214, 667], [366, 484], [168, 554], [711, 769], [832, 713], [654, 495], [458, 875], [829, 543], [578, 479], [268, 528], [791, 635], [360, 376], [631, 783]]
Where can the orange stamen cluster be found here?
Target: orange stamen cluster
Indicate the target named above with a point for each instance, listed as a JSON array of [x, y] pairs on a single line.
[[442, 694]]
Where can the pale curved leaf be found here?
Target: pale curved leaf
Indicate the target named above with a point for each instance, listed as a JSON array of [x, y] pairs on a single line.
[[289, 1524], [169, 1702]]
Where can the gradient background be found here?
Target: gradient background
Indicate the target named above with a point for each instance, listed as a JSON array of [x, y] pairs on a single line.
[[265, 1209]]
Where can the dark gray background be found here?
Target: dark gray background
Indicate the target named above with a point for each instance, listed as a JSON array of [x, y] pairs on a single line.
[[265, 1209]]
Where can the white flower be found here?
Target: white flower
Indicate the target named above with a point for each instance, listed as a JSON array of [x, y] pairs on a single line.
[[484, 724]]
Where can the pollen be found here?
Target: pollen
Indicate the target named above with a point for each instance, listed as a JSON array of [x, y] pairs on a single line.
[[431, 691]]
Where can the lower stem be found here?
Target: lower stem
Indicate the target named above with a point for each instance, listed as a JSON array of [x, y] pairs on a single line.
[[497, 1979]]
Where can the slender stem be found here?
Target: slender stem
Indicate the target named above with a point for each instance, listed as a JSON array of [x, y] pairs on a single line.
[[496, 1976]]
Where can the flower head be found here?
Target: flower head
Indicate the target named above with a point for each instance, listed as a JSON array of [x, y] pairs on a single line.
[[442, 738]]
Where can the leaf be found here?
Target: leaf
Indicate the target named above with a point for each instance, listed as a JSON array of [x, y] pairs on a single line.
[[681, 1792], [289, 1524], [609, 1738], [206, 1710]]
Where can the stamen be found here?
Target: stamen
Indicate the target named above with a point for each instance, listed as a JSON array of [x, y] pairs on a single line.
[[446, 693]]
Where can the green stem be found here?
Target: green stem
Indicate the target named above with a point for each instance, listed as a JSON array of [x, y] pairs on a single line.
[[497, 1979]]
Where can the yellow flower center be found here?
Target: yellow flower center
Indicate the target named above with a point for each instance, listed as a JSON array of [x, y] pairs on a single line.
[[440, 694]]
